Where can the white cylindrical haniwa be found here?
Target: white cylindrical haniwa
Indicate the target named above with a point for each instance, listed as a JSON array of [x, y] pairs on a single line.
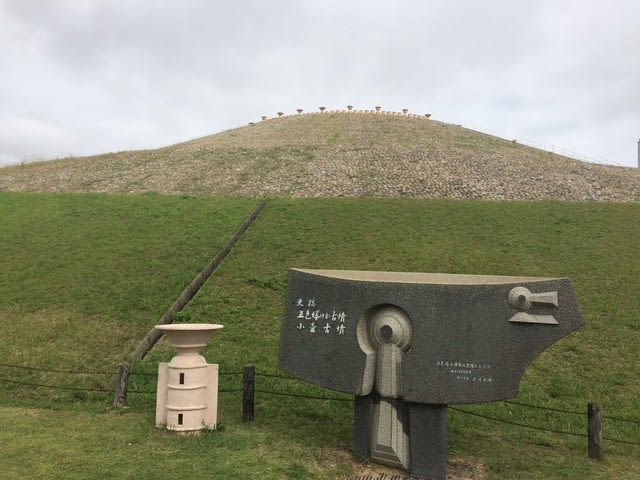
[[187, 386]]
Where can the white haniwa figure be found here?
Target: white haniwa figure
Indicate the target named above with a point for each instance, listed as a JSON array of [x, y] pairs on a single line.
[[187, 398]]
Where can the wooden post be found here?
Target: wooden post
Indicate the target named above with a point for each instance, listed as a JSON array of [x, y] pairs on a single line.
[[122, 385], [594, 417], [248, 391]]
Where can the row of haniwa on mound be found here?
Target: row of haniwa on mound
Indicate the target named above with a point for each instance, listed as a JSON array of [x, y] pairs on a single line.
[[350, 109]]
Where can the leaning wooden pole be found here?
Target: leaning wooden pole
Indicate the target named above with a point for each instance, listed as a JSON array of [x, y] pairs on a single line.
[[185, 297]]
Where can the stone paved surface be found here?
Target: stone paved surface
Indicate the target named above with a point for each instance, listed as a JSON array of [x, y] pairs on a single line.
[[338, 154]]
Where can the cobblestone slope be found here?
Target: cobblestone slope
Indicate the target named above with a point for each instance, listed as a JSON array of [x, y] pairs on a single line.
[[338, 154]]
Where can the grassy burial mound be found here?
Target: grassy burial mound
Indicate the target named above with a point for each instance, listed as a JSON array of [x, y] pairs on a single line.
[[83, 277], [338, 154]]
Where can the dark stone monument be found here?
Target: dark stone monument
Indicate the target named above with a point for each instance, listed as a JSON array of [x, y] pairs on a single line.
[[408, 344]]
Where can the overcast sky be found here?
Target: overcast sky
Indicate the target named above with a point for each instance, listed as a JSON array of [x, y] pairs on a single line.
[[80, 77]]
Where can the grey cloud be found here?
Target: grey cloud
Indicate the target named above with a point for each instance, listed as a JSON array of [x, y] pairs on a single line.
[[147, 73]]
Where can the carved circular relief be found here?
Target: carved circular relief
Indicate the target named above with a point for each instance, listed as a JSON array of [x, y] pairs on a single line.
[[389, 324]]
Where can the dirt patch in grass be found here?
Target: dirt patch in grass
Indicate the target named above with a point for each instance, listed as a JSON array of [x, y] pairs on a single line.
[[457, 469]]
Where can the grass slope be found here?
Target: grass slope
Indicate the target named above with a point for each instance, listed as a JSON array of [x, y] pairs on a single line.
[[83, 276], [595, 244]]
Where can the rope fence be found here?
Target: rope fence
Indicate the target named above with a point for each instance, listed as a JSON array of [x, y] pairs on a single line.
[[516, 424], [249, 390], [547, 429], [57, 387], [52, 370]]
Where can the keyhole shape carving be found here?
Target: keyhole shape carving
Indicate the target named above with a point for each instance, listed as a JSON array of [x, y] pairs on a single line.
[[385, 335]]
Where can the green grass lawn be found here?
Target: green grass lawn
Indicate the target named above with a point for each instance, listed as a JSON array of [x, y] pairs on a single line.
[[83, 277]]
